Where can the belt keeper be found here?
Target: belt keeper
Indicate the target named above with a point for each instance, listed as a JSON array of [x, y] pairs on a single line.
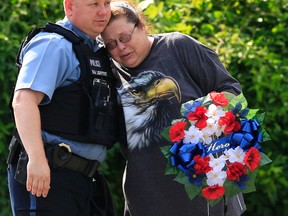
[[92, 169]]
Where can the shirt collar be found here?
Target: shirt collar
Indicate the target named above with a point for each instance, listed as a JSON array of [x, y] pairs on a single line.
[[92, 43]]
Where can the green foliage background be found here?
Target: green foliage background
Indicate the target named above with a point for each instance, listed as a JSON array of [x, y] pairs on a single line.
[[250, 37]]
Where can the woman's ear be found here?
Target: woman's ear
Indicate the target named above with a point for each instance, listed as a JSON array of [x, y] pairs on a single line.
[[143, 28]]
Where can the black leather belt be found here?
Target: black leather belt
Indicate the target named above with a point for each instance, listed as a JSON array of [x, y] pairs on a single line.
[[61, 156]]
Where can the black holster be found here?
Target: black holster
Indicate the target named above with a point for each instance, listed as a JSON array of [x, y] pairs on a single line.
[[14, 151], [21, 169], [17, 155]]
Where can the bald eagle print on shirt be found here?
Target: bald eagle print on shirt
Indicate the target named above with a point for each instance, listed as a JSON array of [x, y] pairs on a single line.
[[147, 100]]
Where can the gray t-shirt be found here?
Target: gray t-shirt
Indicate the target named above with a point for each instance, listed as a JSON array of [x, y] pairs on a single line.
[[178, 69]]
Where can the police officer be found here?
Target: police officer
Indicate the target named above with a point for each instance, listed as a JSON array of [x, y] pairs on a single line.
[[53, 104]]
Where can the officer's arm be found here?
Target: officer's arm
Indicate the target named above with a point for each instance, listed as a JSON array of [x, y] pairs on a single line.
[[27, 118]]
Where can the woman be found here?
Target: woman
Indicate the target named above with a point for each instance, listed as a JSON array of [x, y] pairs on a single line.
[[158, 73]]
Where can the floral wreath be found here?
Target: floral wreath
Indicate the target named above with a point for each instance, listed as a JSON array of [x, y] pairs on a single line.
[[215, 149]]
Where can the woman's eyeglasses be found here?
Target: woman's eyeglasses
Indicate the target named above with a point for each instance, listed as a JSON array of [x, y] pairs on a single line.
[[123, 39]]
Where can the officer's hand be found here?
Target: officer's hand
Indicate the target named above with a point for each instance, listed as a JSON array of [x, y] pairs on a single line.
[[38, 176]]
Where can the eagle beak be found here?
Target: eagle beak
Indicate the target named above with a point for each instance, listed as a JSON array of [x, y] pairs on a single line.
[[165, 88]]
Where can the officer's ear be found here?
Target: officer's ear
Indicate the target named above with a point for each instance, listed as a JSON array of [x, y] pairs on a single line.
[[68, 7]]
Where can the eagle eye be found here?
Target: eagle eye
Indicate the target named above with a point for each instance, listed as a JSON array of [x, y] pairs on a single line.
[[135, 91]]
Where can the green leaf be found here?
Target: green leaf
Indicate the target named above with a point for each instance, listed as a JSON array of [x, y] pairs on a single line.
[[238, 99], [214, 202], [229, 96], [260, 118], [266, 136], [207, 103], [231, 189], [250, 185], [252, 113], [165, 133], [171, 170], [264, 159], [166, 151], [192, 190], [181, 178]]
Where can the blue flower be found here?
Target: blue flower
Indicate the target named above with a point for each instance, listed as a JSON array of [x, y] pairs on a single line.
[[195, 179], [241, 183], [191, 107], [238, 112]]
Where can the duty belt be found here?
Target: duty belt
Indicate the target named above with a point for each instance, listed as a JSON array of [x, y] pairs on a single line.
[[61, 156]]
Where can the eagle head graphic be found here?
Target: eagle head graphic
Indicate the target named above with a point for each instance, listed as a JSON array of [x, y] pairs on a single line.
[[147, 101]]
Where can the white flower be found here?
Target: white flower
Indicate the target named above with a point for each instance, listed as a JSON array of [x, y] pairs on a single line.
[[217, 163], [216, 177], [215, 112], [193, 135], [211, 127], [219, 130], [206, 138], [235, 155]]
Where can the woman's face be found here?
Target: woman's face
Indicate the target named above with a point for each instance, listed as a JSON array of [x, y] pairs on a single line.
[[127, 44]]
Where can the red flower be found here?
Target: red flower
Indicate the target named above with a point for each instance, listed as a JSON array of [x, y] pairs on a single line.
[[252, 158], [199, 116], [235, 171], [213, 192], [202, 164], [219, 99], [230, 121], [176, 131]]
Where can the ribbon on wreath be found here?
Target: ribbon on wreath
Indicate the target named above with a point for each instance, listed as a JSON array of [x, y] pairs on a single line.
[[183, 154], [248, 136]]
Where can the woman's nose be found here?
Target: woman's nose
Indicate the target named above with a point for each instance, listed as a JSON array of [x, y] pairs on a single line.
[[121, 46]]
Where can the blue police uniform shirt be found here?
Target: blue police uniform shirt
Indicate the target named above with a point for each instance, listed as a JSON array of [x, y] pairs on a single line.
[[48, 62]]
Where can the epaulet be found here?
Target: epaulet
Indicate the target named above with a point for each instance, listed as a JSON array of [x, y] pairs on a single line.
[[52, 28], [67, 33], [30, 35]]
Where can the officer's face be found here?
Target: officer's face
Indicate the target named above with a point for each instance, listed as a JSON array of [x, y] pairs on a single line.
[[90, 16]]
